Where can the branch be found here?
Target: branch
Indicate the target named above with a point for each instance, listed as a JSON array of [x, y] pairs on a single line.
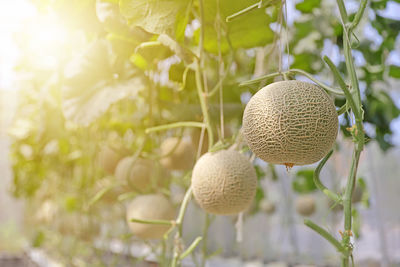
[[260, 79], [159, 222], [342, 85], [343, 109], [295, 71], [318, 182], [175, 125], [190, 248], [184, 205], [358, 15], [260, 4], [343, 12], [325, 235]]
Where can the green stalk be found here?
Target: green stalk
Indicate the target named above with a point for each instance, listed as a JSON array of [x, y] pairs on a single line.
[[205, 238], [260, 4], [358, 133], [191, 248], [203, 105], [324, 234], [179, 224], [320, 185], [175, 125], [158, 222], [294, 71]]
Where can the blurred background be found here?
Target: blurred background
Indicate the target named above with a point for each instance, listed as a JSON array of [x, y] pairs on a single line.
[[81, 77]]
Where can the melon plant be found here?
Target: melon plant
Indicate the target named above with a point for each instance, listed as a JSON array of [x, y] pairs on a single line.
[[291, 123], [149, 207], [178, 154], [108, 159], [224, 182], [305, 205], [139, 173]]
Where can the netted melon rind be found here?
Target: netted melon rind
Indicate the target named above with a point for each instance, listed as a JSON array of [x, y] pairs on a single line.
[[224, 182], [290, 122], [149, 207]]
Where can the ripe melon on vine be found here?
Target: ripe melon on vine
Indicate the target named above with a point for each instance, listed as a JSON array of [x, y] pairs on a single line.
[[178, 154], [290, 123], [149, 207], [224, 182], [140, 174], [305, 205], [108, 159]]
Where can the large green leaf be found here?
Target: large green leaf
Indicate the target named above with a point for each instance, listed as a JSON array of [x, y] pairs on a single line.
[[247, 31], [88, 106], [94, 81], [155, 16]]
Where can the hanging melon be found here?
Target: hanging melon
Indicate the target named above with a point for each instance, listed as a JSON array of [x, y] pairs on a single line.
[[224, 182], [291, 123]]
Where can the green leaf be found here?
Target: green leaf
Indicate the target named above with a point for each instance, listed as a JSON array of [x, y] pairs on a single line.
[[247, 31], [303, 182], [155, 16], [394, 71], [308, 5], [185, 54], [92, 104], [93, 81]]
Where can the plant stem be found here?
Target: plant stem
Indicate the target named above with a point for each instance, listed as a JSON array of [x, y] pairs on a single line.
[[175, 125], [324, 234], [294, 71], [183, 208], [179, 224], [320, 185], [191, 248], [159, 222], [242, 12], [203, 105], [205, 238], [358, 15], [260, 4]]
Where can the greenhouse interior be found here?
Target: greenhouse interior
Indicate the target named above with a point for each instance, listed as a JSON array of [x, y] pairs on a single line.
[[200, 133]]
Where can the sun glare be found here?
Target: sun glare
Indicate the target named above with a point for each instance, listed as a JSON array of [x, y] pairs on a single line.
[[26, 33], [45, 38]]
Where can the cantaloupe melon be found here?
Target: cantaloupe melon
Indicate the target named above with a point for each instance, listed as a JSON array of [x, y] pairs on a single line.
[[291, 123], [224, 182], [140, 174], [179, 154], [267, 206], [305, 205], [149, 207], [108, 159]]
